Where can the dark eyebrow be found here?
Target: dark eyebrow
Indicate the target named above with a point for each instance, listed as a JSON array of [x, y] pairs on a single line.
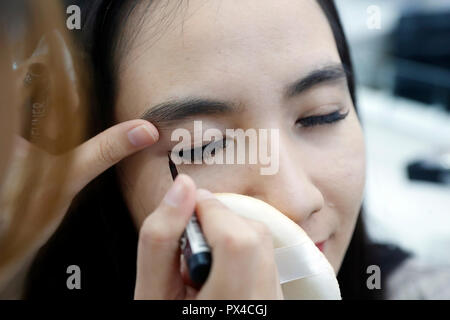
[[180, 109], [315, 77]]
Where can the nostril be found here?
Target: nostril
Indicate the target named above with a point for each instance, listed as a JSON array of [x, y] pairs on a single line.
[[319, 207]]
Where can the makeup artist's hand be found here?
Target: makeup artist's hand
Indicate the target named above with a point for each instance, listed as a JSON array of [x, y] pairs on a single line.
[[99, 153], [87, 161], [242, 250]]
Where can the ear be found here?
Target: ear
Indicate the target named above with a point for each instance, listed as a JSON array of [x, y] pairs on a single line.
[[47, 86]]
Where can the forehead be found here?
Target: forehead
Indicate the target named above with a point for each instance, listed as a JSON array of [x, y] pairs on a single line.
[[221, 49]]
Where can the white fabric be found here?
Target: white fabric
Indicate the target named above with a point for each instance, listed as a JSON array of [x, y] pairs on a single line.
[[298, 261]]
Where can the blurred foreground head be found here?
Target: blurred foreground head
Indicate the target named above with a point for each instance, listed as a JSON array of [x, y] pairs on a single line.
[[42, 99]]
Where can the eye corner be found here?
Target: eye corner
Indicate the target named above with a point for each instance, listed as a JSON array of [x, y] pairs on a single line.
[[319, 120]]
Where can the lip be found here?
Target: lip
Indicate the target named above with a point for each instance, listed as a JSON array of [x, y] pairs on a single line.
[[320, 245]]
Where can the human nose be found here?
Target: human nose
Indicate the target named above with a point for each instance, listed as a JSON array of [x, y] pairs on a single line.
[[291, 190]]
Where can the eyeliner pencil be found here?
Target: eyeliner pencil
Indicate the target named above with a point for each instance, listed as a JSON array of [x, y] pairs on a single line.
[[193, 245]]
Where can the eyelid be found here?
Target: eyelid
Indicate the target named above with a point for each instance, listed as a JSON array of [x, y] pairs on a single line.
[[323, 119], [324, 109], [218, 141], [222, 144]]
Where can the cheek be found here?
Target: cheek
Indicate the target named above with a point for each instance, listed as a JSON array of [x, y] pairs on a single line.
[[218, 177], [144, 181], [145, 178], [339, 173], [350, 162]]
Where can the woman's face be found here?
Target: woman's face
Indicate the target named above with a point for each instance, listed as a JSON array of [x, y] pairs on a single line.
[[247, 54]]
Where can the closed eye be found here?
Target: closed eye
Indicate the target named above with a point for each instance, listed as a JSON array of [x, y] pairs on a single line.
[[321, 120], [199, 153]]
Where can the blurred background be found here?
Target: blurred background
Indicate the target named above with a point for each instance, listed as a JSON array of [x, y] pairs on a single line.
[[401, 52]]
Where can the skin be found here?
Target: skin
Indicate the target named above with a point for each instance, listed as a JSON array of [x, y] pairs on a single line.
[[248, 54]]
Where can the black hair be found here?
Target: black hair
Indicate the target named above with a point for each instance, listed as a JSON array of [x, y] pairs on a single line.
[[98, 233]]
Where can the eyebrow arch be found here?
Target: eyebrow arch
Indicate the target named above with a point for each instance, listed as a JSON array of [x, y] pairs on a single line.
[[324, 74], [175, 110], [180, 109]]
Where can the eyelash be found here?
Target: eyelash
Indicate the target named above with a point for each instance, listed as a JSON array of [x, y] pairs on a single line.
[[222, 145], [304, 122], [321, 120]]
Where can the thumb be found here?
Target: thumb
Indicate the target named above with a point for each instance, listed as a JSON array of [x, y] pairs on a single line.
[[158, 263]]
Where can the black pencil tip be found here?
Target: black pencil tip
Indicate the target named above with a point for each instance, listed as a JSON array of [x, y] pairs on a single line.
[[172, 167]]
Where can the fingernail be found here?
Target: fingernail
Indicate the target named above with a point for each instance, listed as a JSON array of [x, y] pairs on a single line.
[[203, 194], [174, 197], [142, 135]]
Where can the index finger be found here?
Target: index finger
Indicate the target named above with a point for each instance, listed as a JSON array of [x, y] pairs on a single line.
[[219, 223], [107, 148]]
